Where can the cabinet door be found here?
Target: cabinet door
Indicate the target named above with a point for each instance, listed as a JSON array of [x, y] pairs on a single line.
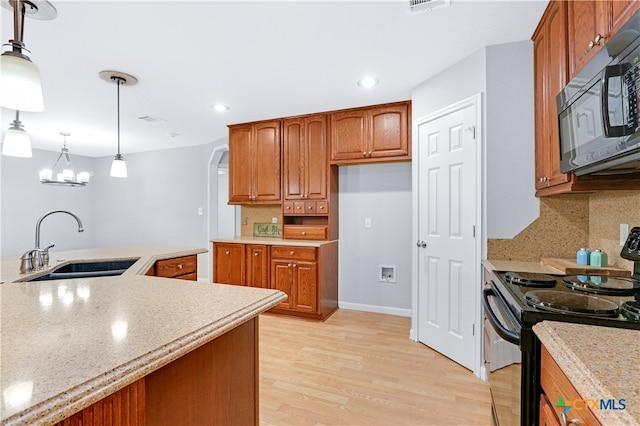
[[550, 71], [621, 11], [293, 158], [229, 263], [388, 131], [316, 157], [348, 134], [586, 20], [282, 279], [240, 160], [266, 162], [547, 415], [306, 287], [257, 274]]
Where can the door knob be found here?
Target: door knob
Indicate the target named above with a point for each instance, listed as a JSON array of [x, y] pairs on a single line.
[[422, 244]]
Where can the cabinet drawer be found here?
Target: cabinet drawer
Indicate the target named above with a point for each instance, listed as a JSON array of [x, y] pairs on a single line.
[[293, 252], [555, 384], [169, 268], [304, 232]]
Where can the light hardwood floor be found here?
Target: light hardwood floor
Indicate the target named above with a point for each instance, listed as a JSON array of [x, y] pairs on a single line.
[[360, 368]]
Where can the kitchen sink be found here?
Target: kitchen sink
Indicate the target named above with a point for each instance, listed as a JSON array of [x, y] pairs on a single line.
[[88, 269]]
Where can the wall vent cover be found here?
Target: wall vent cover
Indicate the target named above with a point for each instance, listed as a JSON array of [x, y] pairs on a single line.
[[427, 5]]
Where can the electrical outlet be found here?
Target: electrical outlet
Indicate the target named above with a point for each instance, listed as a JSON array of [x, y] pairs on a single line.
[[367, 222], [624, 233], [199, 211], [244, 221], [274, 220]]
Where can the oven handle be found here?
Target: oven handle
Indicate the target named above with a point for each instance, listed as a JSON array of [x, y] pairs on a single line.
[[505, 333]]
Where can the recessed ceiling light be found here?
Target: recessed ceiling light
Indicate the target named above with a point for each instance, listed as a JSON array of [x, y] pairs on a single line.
[[220, 107], [368, 82]]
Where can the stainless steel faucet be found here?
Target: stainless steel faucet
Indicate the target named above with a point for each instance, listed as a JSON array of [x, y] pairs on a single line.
[[39, 257]]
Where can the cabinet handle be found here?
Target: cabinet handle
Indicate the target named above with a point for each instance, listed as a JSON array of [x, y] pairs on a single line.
[[179, 265], [289, 265], [294, 265], [596, 41], [543, 179], [364, 154], [291, 252], [310, 207], [321, 207], [304, 233], [369, 154], [256, 253], [298, 207], [288, 207], [564, 421], [226, 252]]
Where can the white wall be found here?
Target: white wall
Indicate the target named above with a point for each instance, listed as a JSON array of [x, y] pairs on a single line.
[[381, 192], [156, 204], [25, 199]]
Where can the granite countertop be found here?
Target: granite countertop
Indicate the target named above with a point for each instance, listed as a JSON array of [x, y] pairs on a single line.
[[66, 344], [600, 362], [273, 241], [519, 266]]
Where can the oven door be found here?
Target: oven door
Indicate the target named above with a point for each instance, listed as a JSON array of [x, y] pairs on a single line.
[[503, 359]]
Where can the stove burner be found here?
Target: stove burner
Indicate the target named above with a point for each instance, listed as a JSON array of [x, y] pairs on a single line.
[[530, 279], [573, 303], [631, 310], [597, 284]]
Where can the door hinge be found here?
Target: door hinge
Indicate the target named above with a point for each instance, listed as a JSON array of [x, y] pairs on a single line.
[[472, 129], [474, 231]]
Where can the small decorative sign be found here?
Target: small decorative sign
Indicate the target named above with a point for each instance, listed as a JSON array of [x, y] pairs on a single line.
[[272, 230]]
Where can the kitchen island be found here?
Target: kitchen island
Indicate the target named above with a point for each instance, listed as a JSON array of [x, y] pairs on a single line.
[[171, 351]]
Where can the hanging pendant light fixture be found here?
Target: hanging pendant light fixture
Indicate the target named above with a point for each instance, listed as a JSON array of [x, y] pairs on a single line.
[[17, 142], [64, 176], [118, 166], [19, 77]]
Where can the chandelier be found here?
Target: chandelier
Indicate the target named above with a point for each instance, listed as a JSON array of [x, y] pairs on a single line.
[[64, 176]]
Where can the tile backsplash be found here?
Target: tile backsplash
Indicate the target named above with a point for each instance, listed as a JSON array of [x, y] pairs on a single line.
[[568, 222]]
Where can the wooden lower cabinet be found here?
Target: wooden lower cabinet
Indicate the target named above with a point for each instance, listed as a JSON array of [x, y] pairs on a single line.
[[229, 263], [307, 274], [184, 268], [555, 385], [215, 384]]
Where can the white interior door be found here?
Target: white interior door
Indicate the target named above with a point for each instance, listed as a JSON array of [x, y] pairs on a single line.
[[448, 195]]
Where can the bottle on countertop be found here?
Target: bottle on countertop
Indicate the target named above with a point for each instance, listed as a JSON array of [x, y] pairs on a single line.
[[598, 258], [583, 256]]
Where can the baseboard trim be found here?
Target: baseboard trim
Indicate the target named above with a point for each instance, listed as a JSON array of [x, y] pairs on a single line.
[[375, 309]]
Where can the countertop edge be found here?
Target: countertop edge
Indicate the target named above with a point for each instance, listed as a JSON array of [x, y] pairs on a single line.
[[578, 373], [75, 399], [272, 241]]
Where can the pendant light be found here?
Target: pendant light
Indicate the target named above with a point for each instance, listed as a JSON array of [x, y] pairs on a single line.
[[17, 142], [65, 176], [19, 77], [118, 166]]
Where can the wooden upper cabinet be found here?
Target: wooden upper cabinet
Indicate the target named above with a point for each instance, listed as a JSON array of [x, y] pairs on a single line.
[[591, 23], [305, 158], [254, 163], [550, 77], [371, 134]]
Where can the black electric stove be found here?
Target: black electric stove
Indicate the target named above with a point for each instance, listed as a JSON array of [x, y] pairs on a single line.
[[515, 301]]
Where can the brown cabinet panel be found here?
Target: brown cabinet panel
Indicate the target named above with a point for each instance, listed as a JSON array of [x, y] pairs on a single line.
[[254, 163], [548, 417], [257, 274], [306, 286], [371, 134], [389, 132], [304, 232], [621, 11], [348, 135], [586, 21], [179, 267], [555, 384], [229, 263], [125, 407], [293, 253], [282, 279]]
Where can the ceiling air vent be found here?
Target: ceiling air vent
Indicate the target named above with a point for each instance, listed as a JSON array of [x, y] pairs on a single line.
[[152, 119], [427, 5]]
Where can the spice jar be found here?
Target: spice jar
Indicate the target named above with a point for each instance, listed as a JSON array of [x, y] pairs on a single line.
[[598, 258]]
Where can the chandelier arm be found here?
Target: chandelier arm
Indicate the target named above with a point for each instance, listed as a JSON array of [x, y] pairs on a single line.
[[57, 161]]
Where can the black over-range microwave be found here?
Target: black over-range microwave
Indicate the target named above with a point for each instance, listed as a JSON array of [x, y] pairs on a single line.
[[598, 114]]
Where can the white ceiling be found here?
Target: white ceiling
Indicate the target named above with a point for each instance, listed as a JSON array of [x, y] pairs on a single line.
[[264, 59]]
